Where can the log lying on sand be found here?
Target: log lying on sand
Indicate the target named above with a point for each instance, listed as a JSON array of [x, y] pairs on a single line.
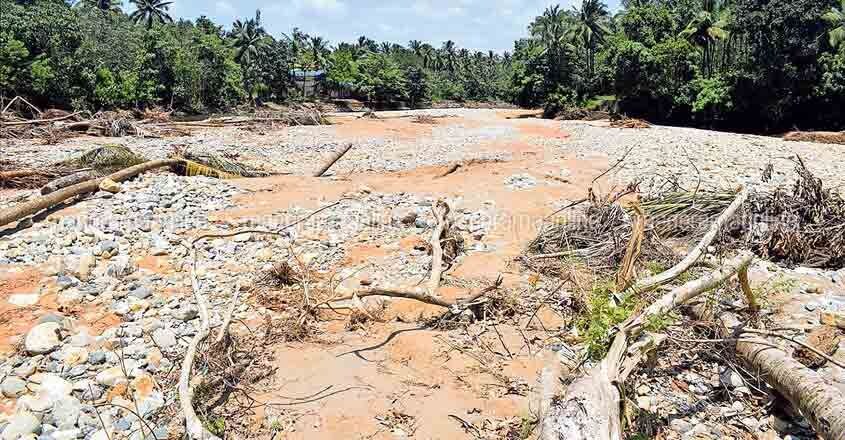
[[821, 404], [23, 210], [590, 408], [331, 160]]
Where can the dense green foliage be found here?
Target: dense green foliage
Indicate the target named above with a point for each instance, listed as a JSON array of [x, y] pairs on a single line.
[[741, 64]]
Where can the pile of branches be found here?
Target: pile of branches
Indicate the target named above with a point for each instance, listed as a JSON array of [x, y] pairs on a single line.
[[575, 114], [598, 237], [19, 176], [804, 225], [822, 137], [629, 123]]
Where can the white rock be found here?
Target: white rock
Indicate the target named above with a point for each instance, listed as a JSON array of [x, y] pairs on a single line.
[[110, 376], [43, 338], [164, 338], [23, 299], [65, 412], [20, 425]]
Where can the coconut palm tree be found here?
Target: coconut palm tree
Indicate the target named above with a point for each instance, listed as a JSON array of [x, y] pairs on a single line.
[[706, 28], [836, 19], [103, 5], [250, 39], [589, 28], [416, 47], [151, 11], [319, 48], [427, 54], [450, 55]]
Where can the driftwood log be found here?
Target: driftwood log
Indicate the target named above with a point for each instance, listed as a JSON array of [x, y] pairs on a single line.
[[332, 160], [26, 209], [821, 404]]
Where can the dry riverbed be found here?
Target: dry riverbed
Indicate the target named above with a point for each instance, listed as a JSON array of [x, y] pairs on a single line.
[[97, 308]]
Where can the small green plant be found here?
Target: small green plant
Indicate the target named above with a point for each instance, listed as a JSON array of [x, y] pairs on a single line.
[[655, 267], [215, 425], [601, 315]]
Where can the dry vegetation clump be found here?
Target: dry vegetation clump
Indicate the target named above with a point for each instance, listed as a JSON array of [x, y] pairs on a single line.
[[822, 137], [629, 123], [598, 237], [232, 368], [424, 119]]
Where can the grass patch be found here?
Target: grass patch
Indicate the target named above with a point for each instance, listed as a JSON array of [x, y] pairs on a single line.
[[216, 426], [601, 315]]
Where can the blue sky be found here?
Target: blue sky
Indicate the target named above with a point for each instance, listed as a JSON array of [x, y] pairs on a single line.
[[474, 24]]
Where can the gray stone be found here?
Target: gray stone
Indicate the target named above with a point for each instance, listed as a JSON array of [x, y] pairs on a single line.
[[164, 338], [680, 426], [65, 412], [66, 282], [96, 358], [123, 424], [43, 338], [20, 425], [13, 387], [186, 312], [120, 267], [141, 293]]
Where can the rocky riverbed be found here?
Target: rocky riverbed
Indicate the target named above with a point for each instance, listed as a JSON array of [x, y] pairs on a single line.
[[98, 307]]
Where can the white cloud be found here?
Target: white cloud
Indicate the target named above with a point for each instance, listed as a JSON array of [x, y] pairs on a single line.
[[324, 5], [223, 7]]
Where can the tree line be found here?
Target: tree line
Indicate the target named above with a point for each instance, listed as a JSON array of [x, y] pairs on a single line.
[[738, 64]]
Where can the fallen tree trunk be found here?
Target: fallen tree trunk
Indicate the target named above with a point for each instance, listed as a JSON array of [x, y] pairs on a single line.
[[331, 160], [23, 210], [40, 121], [590, 408], [821, 404], [69, 180]]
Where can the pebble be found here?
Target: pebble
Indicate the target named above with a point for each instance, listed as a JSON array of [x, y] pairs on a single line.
[[13, 386], [164, 338], [43, 338], [21, 425]]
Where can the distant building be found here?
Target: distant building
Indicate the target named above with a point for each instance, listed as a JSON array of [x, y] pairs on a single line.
[[313, 83], [308, 82]]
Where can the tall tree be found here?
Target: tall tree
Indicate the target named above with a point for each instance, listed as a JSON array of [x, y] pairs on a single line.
[[103, 5], [708, 27], [590, 29], [250, 39], [151, 11], [319, 48], [450, 55]]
